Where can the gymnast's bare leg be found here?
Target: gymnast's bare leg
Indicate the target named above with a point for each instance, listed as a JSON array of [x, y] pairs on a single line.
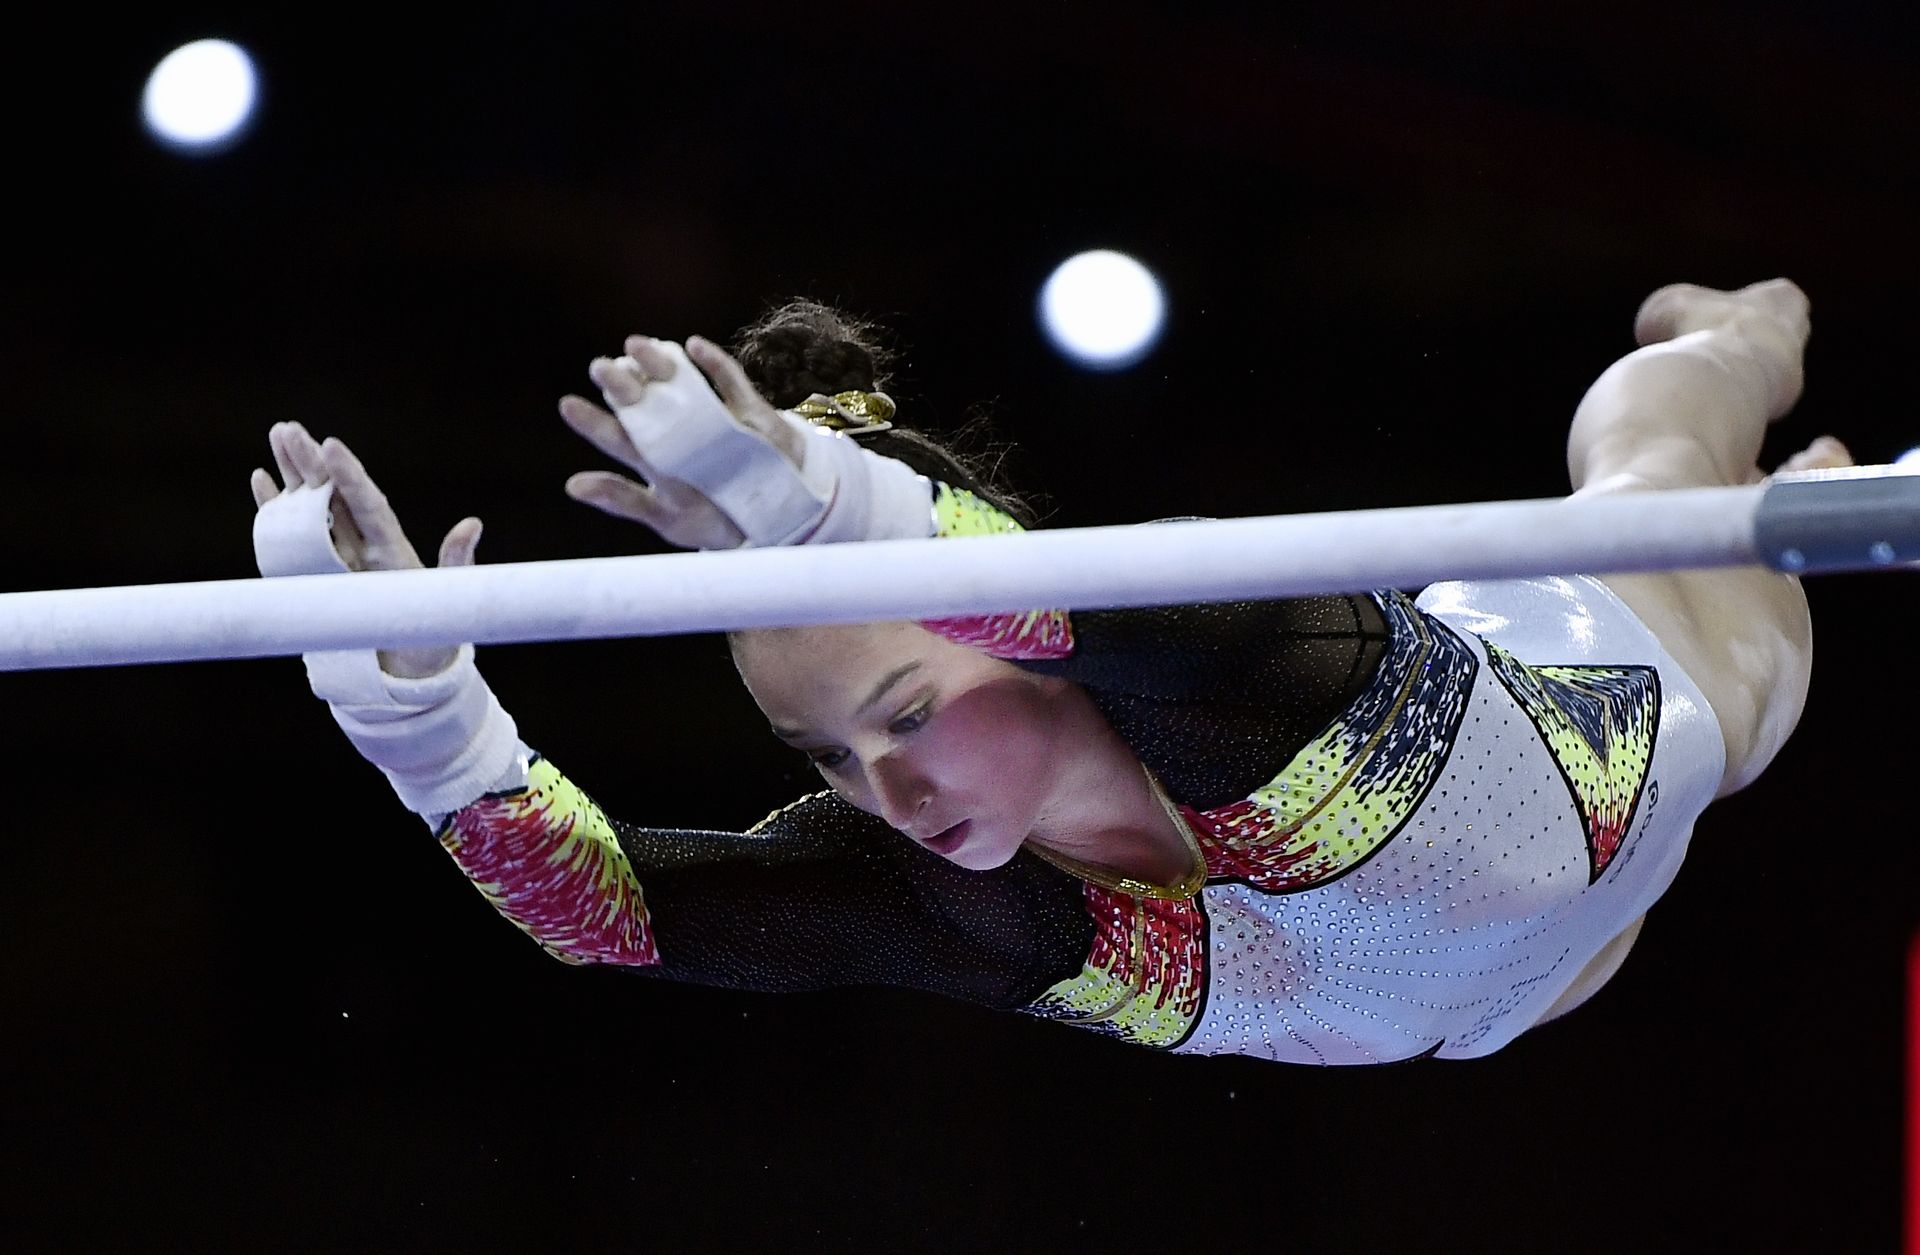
[[1689, 410]]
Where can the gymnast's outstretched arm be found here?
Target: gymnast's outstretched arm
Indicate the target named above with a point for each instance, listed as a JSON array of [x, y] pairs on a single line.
[[724, 468], [818, 894]]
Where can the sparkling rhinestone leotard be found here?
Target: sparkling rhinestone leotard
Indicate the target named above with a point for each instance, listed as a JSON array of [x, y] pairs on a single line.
[[1421, 818]]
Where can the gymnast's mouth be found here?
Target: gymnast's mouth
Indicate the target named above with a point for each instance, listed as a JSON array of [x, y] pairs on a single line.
[[948, 841]]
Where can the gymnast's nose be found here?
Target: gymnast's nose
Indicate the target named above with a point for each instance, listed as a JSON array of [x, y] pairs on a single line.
[[901, 793]]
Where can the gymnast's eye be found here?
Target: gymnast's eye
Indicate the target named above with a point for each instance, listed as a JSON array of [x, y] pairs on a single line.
[[911, 722]]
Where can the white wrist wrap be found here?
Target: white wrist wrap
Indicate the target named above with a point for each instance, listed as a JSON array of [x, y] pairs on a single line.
[[442, 740], [684, 430], [875, 497], [840, 491]]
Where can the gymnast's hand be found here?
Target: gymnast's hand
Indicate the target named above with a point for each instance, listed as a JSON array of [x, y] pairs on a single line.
[[699, 447], [366, 533]]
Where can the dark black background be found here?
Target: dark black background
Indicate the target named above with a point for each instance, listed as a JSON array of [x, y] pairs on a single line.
[[247, 1003]]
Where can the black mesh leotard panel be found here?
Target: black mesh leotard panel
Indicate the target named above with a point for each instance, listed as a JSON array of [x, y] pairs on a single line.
[[1215, 698], [823, 894]]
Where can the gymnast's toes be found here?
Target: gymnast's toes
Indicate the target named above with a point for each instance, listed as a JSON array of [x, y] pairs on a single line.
[[1823, 454]]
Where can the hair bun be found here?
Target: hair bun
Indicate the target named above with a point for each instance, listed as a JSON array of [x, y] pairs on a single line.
[[804, 347]]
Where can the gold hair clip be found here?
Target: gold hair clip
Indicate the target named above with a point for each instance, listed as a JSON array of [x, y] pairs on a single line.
[[849, 413]]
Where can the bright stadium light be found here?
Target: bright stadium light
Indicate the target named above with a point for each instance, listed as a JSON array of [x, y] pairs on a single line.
[[201, 96], [1103, 309]]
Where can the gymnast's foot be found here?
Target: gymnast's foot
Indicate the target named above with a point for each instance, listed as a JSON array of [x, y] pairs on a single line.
[[1823, 454], [1766, 321]]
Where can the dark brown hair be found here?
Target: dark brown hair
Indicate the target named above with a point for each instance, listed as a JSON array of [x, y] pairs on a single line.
[[803, 346]]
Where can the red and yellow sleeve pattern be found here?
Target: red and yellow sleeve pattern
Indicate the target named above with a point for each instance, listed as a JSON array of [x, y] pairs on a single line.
[[547, 858], [1018, 635]]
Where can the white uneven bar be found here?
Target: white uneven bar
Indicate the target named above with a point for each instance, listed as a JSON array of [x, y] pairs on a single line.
[[1074, 568]]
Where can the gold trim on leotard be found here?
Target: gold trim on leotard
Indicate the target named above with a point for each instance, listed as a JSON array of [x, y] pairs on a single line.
[[1119, 882]]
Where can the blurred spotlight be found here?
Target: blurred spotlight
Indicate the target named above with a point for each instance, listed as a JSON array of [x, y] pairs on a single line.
[[1103, 309], [1909, 461], [200, 97]]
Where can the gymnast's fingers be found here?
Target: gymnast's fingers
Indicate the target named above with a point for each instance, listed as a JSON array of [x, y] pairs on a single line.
[[653, 360], [601, 430], [282, 458], [386, 545], [620, 497], [728, 378], [620, 379], [263, 487], [304, 452], [457, 549], [742, 399]]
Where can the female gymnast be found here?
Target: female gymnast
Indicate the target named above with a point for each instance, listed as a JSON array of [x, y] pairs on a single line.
[[1329, 830]]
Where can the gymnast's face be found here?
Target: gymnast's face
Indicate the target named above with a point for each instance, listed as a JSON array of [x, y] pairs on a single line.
[[960, 751]]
